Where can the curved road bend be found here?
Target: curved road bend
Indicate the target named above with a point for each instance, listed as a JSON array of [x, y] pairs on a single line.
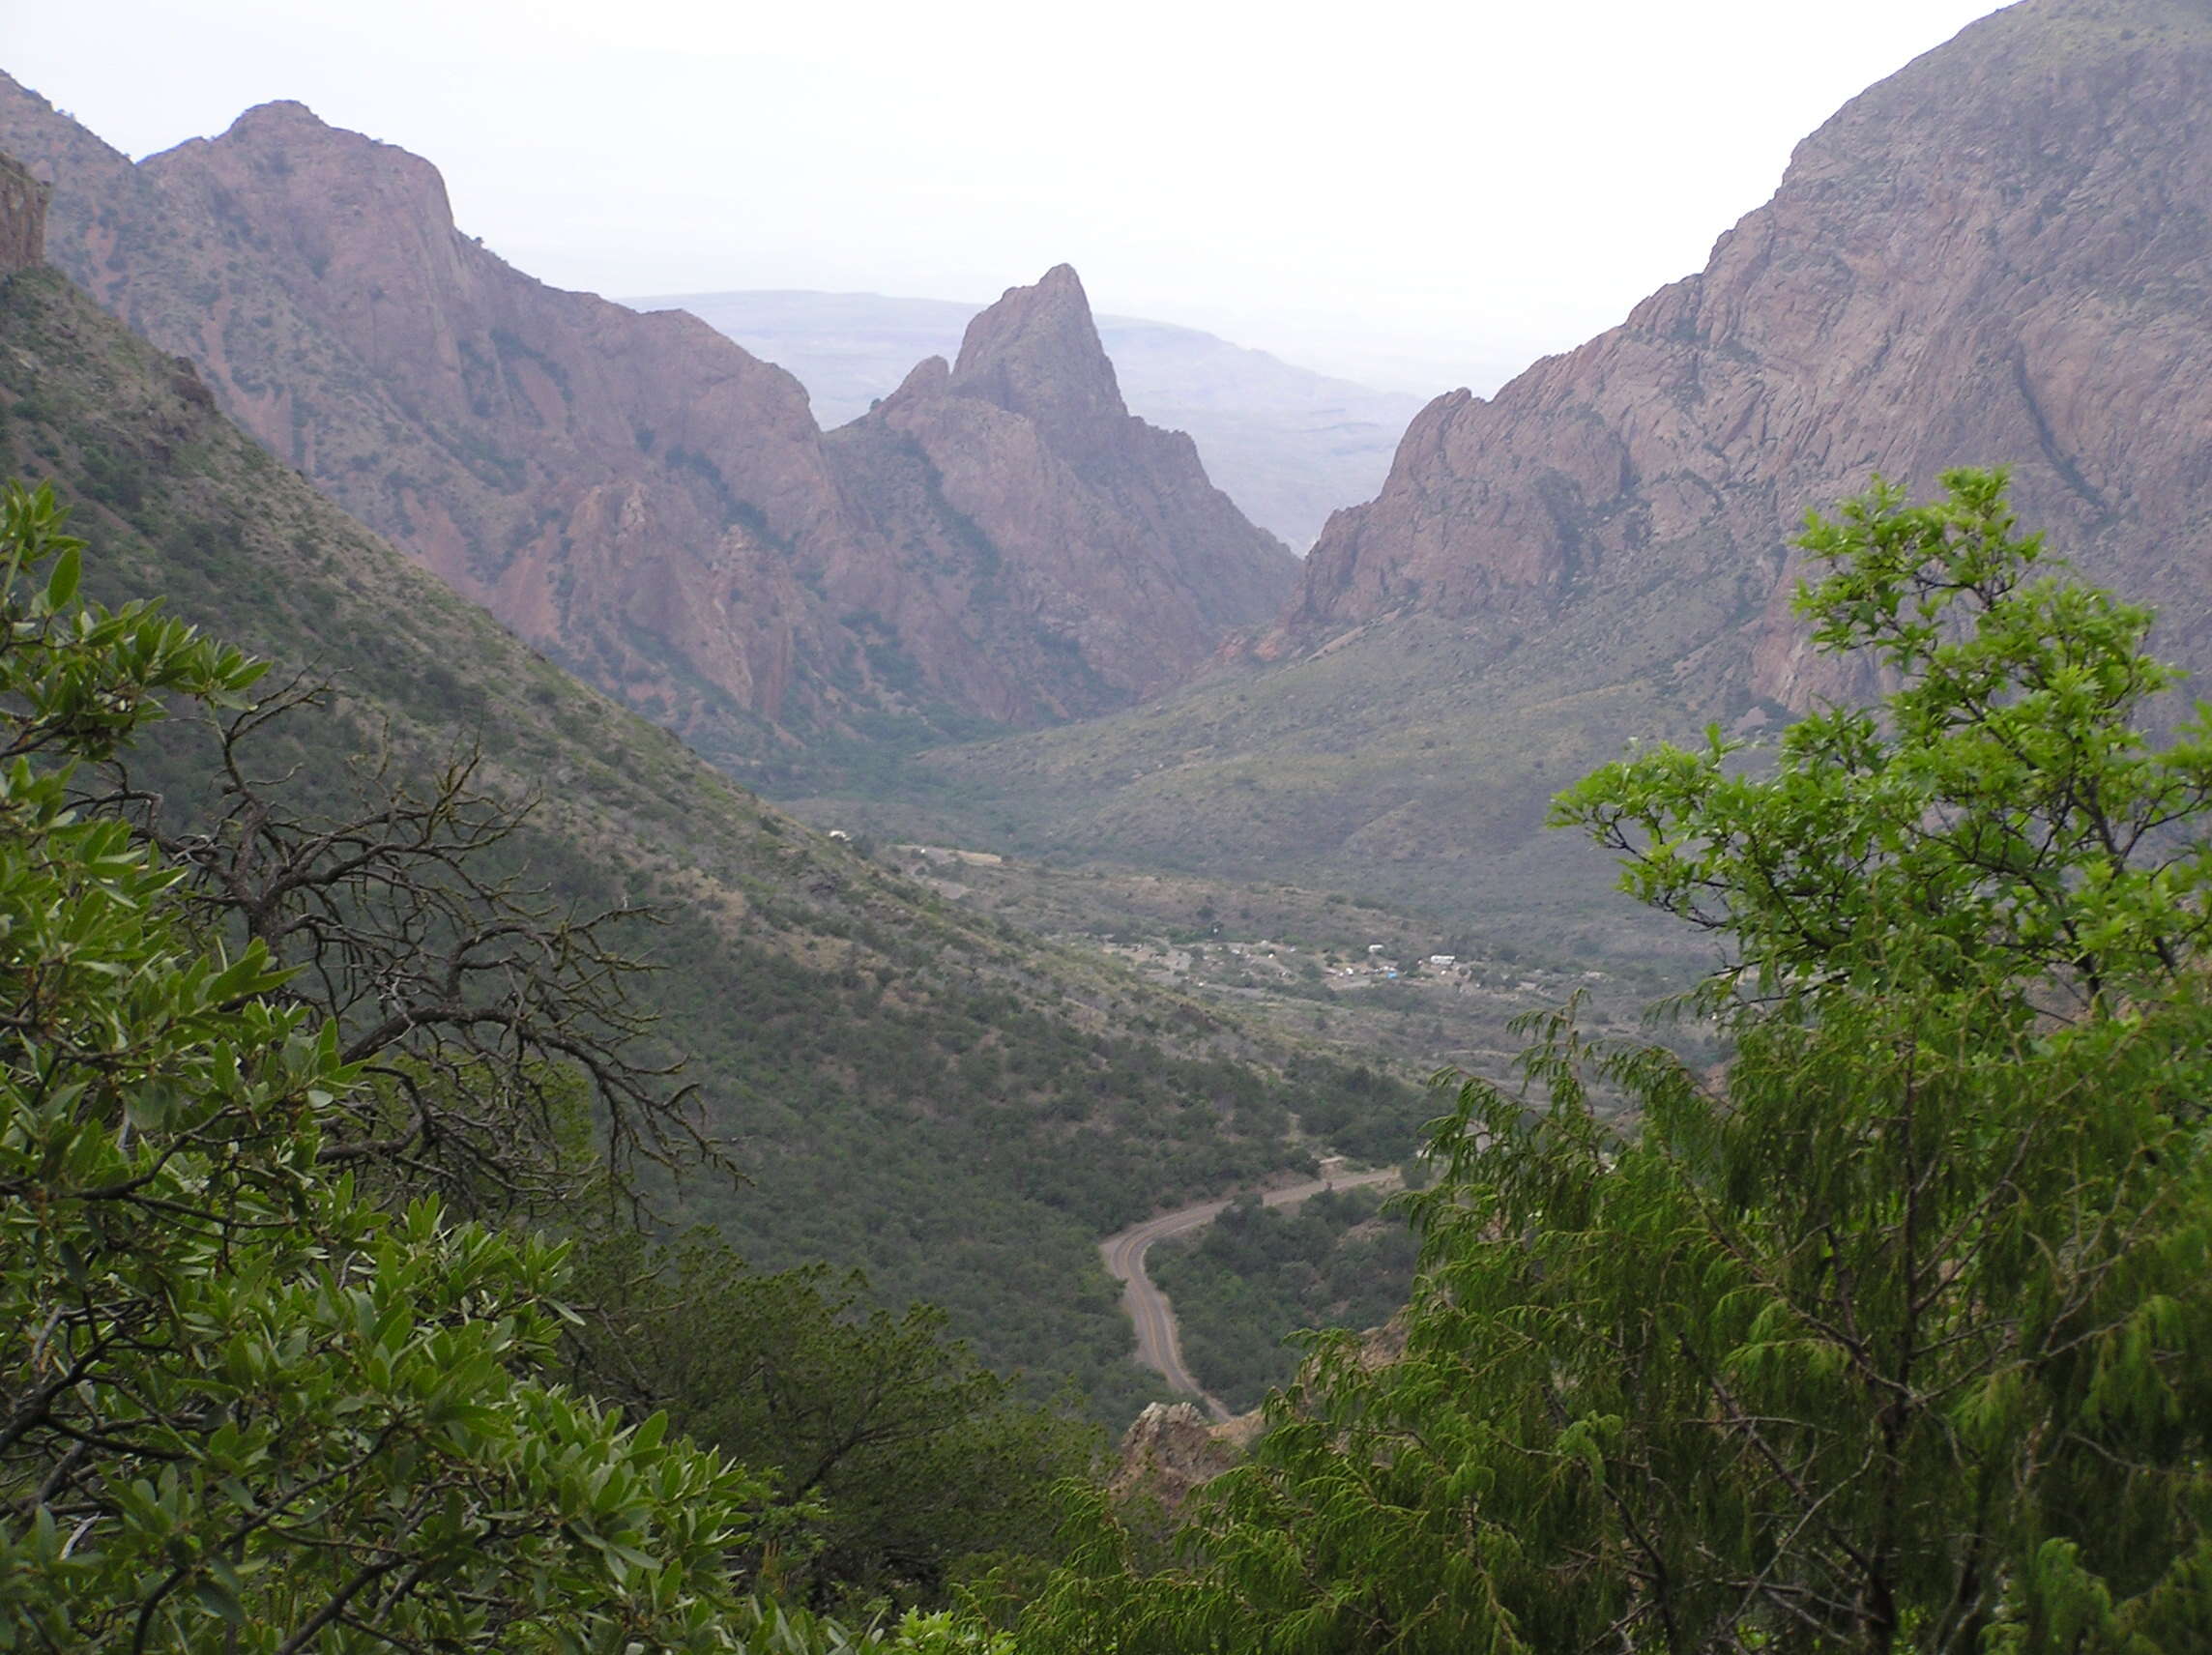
[[1157, 1346]]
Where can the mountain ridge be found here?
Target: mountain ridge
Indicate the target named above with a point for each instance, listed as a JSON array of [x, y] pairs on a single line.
[[634, 493], [2000, 255], [1937, 280], [1289, 445]]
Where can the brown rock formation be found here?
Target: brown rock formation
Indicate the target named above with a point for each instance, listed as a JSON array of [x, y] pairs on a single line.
[[1170, 1449], [23, 216], [624, 491], [1036, 353], [2000, 255], [637, 494], [1099, 536]]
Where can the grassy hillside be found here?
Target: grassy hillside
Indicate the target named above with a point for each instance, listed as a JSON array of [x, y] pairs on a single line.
[[1410, 765], [1353, 974], [911, 1088]]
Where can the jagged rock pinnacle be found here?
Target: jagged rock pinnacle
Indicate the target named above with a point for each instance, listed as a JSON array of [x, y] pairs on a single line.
[[1036, 353]]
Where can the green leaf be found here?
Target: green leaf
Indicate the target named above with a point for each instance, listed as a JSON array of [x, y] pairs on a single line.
[[62, 580]]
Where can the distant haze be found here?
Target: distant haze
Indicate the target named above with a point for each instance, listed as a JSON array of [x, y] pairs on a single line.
[[1411, 194], [1288, 445]]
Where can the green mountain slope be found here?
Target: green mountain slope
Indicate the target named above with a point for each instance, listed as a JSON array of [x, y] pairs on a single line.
[[909, 1088], [1412, 763]]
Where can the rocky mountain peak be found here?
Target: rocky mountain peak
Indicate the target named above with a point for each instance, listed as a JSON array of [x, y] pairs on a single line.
[[285, 147], [1998, 255], [932, 376], [358, 214], [1100, 533], [1036, 353], [286, 117], [645, 498]]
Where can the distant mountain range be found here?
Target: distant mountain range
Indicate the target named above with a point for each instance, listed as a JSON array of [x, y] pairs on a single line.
[[1288, 445], [644, 499]]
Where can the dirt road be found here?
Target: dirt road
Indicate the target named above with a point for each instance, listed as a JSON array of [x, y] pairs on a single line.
[[1157, 1346]]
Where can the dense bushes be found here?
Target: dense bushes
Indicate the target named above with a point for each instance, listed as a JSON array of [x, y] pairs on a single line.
[[1896, 1336], [243, 1406], [1258, 1275]]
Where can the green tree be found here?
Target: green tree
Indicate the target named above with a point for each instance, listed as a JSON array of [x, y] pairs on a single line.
[[2001, 821], [1899, 1336], [905, 1464], [401, 907], [241, 1409]]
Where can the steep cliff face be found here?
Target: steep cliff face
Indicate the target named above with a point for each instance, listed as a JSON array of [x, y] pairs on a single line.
[[1288, 445], [22, 217], [636, 494], [1091, 540], [1998, 255]]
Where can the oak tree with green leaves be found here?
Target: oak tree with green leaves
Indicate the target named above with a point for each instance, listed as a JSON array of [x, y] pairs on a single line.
[[243, 1409], [1894, 1335]]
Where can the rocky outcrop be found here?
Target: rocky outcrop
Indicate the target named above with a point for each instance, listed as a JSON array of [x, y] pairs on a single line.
[[23, 216], [1288, 446], [1099, 536], [2000, 255], [1170, 1449], [635, 493]]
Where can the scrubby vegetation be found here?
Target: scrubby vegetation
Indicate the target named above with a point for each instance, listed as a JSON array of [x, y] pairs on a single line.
[[931, 1097], [1248, 1283], [1894, 1335], [246, 1404], [265, 1387], [353, 1292]]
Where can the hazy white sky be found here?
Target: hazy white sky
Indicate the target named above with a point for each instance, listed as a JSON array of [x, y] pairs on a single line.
[[1419, 193]]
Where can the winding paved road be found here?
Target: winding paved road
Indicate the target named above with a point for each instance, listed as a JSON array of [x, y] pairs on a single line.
[[1157, 1346]]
